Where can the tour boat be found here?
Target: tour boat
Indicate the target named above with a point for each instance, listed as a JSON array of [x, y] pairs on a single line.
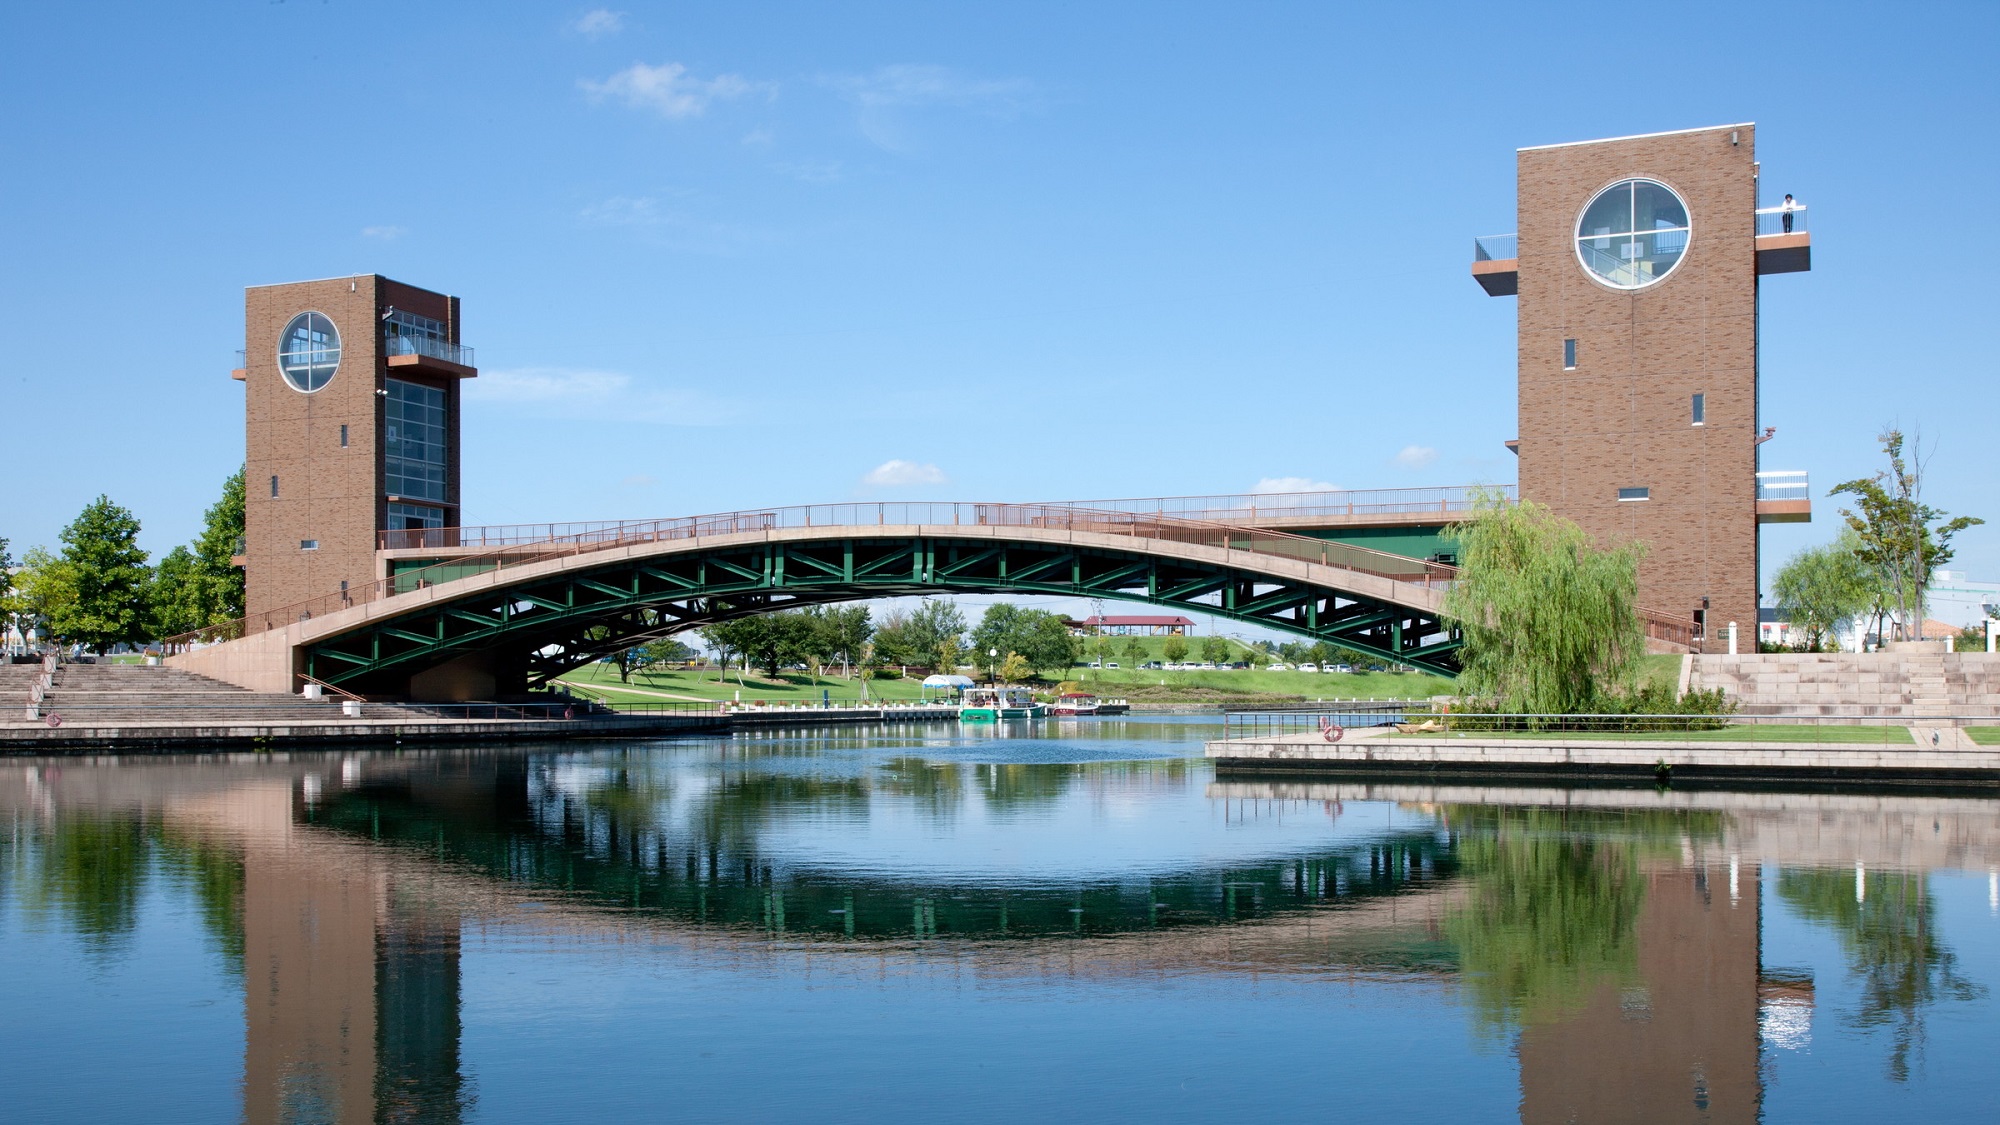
[[991, 705], [1112, 707], [1074, 703]]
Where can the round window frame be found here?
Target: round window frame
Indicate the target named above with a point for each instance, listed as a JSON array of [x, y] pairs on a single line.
[[340, 351], [1576, 235]]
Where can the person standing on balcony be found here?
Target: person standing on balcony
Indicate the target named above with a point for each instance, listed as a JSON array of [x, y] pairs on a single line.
[[1790, 206]]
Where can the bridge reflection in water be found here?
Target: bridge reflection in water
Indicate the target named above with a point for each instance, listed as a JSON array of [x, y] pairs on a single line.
[[1615, 933]]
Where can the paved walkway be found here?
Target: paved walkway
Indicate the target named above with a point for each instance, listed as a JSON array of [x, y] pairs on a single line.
[[636, 691]]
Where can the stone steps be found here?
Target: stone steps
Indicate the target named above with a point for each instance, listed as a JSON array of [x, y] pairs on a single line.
[[1883, 684]]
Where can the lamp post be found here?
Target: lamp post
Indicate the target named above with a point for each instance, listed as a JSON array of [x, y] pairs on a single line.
[[993, 664]]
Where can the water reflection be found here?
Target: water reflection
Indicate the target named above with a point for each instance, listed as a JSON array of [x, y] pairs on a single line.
[[1611, 938]]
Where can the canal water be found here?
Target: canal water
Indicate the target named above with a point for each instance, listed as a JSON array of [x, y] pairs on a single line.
[[1075, 921]]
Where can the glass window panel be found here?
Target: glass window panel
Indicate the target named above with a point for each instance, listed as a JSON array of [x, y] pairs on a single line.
[[309, 351], [1609, 213], [1655, 208], [414, 453]]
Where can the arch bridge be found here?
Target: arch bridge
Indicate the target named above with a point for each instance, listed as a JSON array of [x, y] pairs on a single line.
[[490, 612]]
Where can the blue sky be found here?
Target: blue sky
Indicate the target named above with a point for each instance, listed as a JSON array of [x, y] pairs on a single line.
[[736, 255]]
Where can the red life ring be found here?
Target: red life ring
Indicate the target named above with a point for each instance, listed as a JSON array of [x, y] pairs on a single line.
[[54, 719], [1331, 731]]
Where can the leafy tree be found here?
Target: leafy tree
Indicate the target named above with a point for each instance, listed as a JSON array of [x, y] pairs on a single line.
[[219, 581], [1134, 651], [101, 552], [1014, 667], [1100, 649], [176, 606], [666, 650], [1903, 537], [1040, 637], [937, 630], [772, 640], [893, 643], [1174, 648], [1820, 587], [1215, 648], [842, 632], [1549, 620], [44, 591]]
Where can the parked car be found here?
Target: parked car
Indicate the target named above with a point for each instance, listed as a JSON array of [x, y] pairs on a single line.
[[1274, 667], [1340, 667], [1151, 666], [1097, 664], [1208, 665], [1111, 664], [1308, 666]]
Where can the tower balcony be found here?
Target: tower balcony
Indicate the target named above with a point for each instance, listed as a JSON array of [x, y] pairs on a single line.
[[1784, 496], [429, 355], [1784, 245], [1496, 264]]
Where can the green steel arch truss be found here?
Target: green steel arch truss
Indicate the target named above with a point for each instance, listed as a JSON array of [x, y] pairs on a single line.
[[541, 626]]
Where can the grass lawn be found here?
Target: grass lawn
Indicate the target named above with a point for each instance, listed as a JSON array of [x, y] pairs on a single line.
[[793, 687], [1984, 736], [1762, 732]]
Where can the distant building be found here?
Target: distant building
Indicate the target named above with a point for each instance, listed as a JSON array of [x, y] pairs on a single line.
[[1959, 602], [1138, 625]]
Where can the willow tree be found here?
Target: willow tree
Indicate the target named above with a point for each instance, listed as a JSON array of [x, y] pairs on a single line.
[[1550, 621]]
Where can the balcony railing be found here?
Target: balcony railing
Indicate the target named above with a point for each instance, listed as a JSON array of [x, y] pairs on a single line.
[[1496, 247], [1771, 220], [428, 346], [1784, 484]]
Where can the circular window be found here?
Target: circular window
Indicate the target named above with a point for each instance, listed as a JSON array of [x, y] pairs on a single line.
[[309, 351], [1633, 233]]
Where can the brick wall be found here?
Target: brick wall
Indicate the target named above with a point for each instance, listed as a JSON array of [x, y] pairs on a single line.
[[1622, 417]]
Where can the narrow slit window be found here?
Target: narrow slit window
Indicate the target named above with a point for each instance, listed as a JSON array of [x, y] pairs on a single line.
[[1635, 494], [1569, 355], [274, 488], [308, 544], [343, 437], [1698, 410]]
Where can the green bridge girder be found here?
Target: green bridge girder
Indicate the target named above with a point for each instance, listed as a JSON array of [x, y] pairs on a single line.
[[539, 627]]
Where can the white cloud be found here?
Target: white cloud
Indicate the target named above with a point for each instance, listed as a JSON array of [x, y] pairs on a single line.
[[675, 228], [1292, 484], [598, 23], [810, 171], [1416, 456], [385, 233], [759, 138], [669, 90], [895, 474], [885, 98], [567, 392]]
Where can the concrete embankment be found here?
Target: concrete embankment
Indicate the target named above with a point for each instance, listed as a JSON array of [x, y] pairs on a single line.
[[1898, 757]]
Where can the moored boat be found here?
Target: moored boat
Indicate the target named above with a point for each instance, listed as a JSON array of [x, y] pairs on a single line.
[[1074, 703], [992, 705], [1112, 707]]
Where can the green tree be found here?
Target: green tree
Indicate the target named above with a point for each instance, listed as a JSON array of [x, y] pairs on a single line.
[[1174, 648], [44, 591], [893, 642], [218, 580], [772, 640], [174, 598], [1549, 620], [1134, 652], [1820, 587], [1015, 667], [937, 631], [1215, 648], [1100, 649], [1903, 537], [1039, 637], [666, 650], [101, 552], [842, 632]]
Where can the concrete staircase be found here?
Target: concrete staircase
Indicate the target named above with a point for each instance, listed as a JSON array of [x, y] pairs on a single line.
[[99, 695], [1880, 684]]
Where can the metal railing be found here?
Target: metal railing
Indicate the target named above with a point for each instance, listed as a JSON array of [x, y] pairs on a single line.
[[526, 544], [1443, 719], [1496, 247], [427, 346], [1773, 220], [1784, 484], [1246, 508]]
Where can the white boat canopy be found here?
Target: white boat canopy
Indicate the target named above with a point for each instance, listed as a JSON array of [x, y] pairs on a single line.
[[948, 681]]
